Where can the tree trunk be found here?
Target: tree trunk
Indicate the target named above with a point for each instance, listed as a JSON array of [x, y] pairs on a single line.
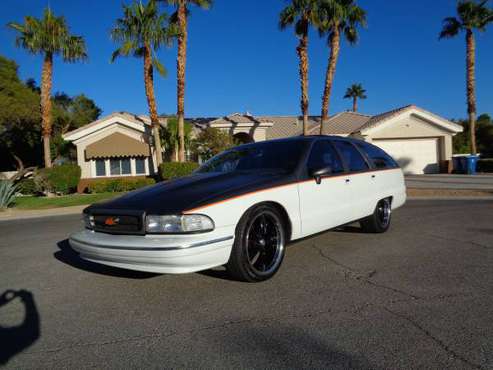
[[302, 51], [180, 71], [151, 102], [355, 104], [329, 76], [46, 83], [471, 87]]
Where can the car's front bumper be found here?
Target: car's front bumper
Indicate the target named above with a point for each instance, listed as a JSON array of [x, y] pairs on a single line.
[[173, 254]]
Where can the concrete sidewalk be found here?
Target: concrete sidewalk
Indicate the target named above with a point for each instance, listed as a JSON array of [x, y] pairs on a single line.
[[444, 181]]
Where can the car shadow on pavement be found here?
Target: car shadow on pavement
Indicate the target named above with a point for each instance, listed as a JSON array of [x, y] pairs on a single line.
[[70, 257], [281, 345], [14, 339]]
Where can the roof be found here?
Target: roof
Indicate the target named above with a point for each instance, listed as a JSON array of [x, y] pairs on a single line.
[[375, 120], [142, 119], [343, 123], [117, 145], [286, 126], [238, 118]]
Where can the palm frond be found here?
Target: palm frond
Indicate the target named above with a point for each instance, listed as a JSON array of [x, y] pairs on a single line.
[[159, 67], [451, 27]]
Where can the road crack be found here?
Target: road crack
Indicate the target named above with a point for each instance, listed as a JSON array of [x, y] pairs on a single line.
[[362, 276], [434, 338]]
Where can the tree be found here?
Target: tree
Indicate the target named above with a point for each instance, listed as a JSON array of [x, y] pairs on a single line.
[[48, 36], [336, 18], [211, 141], [472, 16], [484, 133], [302, 14], [171, 139], [19, 119], [141, 32], [355, 92], [180, 18]]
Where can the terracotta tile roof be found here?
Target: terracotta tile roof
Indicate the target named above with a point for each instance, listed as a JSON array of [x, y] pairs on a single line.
[[237, 118], [343, 123], [375, 120], [286, 126]]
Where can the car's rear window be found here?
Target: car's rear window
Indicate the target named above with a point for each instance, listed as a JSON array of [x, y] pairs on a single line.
[[377, 156], [278, 156]]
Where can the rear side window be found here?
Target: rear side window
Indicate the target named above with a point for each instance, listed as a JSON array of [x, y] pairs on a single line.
[[324, 155], [353, 158], [377, 156]]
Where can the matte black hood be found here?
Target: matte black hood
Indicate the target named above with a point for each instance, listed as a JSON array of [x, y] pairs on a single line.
[[176, 196]]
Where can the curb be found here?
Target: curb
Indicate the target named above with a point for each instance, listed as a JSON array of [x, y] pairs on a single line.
[[450, 198], [11, 215]]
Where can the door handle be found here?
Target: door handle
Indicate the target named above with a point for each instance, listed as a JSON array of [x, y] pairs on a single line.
[[372, 176], [348, 181]]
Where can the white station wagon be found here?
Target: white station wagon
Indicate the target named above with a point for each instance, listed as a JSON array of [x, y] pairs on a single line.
[[243, 206]]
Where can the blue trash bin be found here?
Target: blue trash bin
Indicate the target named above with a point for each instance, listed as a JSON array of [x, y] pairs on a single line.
[[471, 162]]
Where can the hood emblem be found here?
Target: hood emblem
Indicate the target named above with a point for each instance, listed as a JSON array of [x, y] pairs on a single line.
[[112, 221]]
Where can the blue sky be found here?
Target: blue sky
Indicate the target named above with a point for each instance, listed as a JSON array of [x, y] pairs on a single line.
[[238, 60]]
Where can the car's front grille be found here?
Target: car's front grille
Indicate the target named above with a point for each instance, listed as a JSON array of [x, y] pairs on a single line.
[[119, 222]]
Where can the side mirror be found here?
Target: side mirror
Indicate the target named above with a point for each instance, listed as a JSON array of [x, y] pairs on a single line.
[[318, 173]]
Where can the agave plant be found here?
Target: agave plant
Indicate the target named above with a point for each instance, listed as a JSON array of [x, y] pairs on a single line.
[[7, 193]]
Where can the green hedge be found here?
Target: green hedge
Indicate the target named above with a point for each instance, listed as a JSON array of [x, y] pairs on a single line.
[[171, 170], [61, 179], [485, 165], [118, 185]]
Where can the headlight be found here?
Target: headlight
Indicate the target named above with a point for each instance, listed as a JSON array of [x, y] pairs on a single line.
[[88, 221], [174, 224]]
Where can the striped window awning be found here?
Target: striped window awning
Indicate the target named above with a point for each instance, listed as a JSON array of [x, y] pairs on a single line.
[[117, 145]]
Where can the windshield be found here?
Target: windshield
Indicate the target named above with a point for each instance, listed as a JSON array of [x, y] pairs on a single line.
[[277, 156]]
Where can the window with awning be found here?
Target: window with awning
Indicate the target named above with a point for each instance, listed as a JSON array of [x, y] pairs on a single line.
[[117, 145]]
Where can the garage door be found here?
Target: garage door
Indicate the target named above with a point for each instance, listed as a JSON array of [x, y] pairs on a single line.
[[415, 156]]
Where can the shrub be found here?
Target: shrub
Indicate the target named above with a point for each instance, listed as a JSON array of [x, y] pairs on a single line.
[[7, 193], [171, 170], [61, 179], [27, 187], [118, 185], [485, 165]]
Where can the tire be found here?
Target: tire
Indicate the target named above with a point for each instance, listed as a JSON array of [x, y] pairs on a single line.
[[379, 221], [259, 245]]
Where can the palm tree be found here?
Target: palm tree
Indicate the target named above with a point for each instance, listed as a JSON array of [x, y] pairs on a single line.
[[355, 92], [301, 13], [48, 36], [472, 16], [181, 18], [141, 32], [336, 18]]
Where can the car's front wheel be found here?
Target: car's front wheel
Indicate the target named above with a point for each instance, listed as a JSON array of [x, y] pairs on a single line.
[[259, 245], [379, 221]]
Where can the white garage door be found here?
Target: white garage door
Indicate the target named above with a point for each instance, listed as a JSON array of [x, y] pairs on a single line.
[[415, 156]]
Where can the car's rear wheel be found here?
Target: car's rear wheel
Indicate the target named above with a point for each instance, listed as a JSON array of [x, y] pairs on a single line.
[[379, 221], [259, 245]]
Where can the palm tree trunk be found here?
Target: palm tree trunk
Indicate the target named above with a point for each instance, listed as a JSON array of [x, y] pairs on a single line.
[[302, 51], [151, 102], [329, 76], [46, 83], [180, 71], [355, 104], [471, 87]]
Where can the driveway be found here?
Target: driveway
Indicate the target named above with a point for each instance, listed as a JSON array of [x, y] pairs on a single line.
[[419, 296], [444, 181]]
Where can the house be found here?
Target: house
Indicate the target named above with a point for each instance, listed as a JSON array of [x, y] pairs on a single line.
[[121, 144]]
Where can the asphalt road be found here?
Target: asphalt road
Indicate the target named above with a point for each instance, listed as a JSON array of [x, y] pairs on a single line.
[[443, 181], [419, 296]]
